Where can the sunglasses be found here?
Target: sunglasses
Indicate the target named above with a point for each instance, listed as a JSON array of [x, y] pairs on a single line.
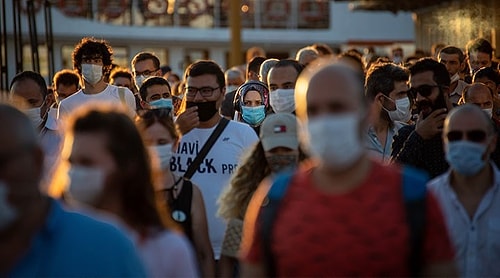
[[424, 90], [476, 135], [147, 114]]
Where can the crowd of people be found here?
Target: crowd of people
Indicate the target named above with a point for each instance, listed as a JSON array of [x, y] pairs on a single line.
[[325, 164]]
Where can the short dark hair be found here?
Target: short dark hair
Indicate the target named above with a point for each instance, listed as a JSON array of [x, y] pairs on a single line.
[[254, 64], [489, 73], [154, 80], [120, 72], [66, 77], [283, 63], [89, 46], [35, 76], [450, 50], [479, 45], [439, 72], [206, 67], [143, 56], [381, 77]]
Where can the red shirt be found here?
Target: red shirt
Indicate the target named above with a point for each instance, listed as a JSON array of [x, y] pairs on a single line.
[[360, 233]]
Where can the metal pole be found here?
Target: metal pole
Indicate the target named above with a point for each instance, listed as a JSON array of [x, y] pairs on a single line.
[[49, 38], [35, 58], [4, 69], [18, 37], [235, 25]]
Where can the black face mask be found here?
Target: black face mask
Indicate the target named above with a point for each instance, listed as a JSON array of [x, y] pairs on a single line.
[[206, 110]]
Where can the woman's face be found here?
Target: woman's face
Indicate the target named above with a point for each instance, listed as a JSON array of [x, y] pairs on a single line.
[[252, 98], [281, 158], [157, 134], [89, 150]]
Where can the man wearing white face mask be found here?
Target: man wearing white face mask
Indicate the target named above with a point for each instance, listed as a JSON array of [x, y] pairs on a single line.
[[454, 60], [386, 88], [343, 193], [469, 192], [30, 88], [281, 82], [92, 59], [144, 65]]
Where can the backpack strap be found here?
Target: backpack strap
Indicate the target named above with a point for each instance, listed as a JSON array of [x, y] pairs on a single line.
[[268, 215], [414, 196], [121, 94]]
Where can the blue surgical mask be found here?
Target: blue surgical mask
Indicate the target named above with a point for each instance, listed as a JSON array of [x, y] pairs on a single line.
[[161, 103], [253, 115], [465, 157]]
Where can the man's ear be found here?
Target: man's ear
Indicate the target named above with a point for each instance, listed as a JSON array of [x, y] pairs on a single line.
[[145, 105]]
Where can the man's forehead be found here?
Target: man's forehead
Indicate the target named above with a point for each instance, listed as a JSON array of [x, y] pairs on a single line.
[[92, 56], [426, 77], [288, 72], [448, 57]]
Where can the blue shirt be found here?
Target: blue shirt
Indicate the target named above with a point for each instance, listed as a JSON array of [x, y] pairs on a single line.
[[374, 146], [74, 245]]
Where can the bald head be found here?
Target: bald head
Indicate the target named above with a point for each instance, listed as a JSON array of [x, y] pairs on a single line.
[[468, 117], [480, 95], [329, 88]]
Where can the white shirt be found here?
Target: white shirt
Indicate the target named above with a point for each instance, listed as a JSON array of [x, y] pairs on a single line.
[[109, 95], [216, 169], [476, 240]]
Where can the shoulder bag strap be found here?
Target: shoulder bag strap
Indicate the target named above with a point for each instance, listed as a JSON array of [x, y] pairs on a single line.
[[206, 148]]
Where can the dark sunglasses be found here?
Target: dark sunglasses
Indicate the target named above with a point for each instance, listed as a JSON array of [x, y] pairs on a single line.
[[155, 113], [424, 90], [476, 135]]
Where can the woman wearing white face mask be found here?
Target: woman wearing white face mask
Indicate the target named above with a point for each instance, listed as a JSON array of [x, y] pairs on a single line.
[[184, 198], [386, 88], [110, 176]]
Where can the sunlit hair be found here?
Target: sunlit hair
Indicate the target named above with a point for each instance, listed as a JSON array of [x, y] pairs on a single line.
[[148, 118], [251, 172], [253, 169], [142, 208]]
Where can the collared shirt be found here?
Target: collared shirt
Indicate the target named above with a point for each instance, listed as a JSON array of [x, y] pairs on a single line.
[[457, 93], [374, 146], [476, 240], [73, 245]]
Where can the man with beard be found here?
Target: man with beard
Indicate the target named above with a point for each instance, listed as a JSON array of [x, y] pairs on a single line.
[[421, 145]]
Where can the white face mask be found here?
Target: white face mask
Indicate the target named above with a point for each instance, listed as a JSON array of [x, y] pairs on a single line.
[[34, 116], [489, 112], [282, 100], [8, 214], [139, 80], [164, 154], [402, 112], [335, 139], [231, 88], [92, 73], [86, 183], [455, 77], [51, 122]]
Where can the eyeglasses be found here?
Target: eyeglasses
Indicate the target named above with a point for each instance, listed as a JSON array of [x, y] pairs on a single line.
[[145, 73], [424, 90], [475, 135], [148, 114], [204, 91]]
